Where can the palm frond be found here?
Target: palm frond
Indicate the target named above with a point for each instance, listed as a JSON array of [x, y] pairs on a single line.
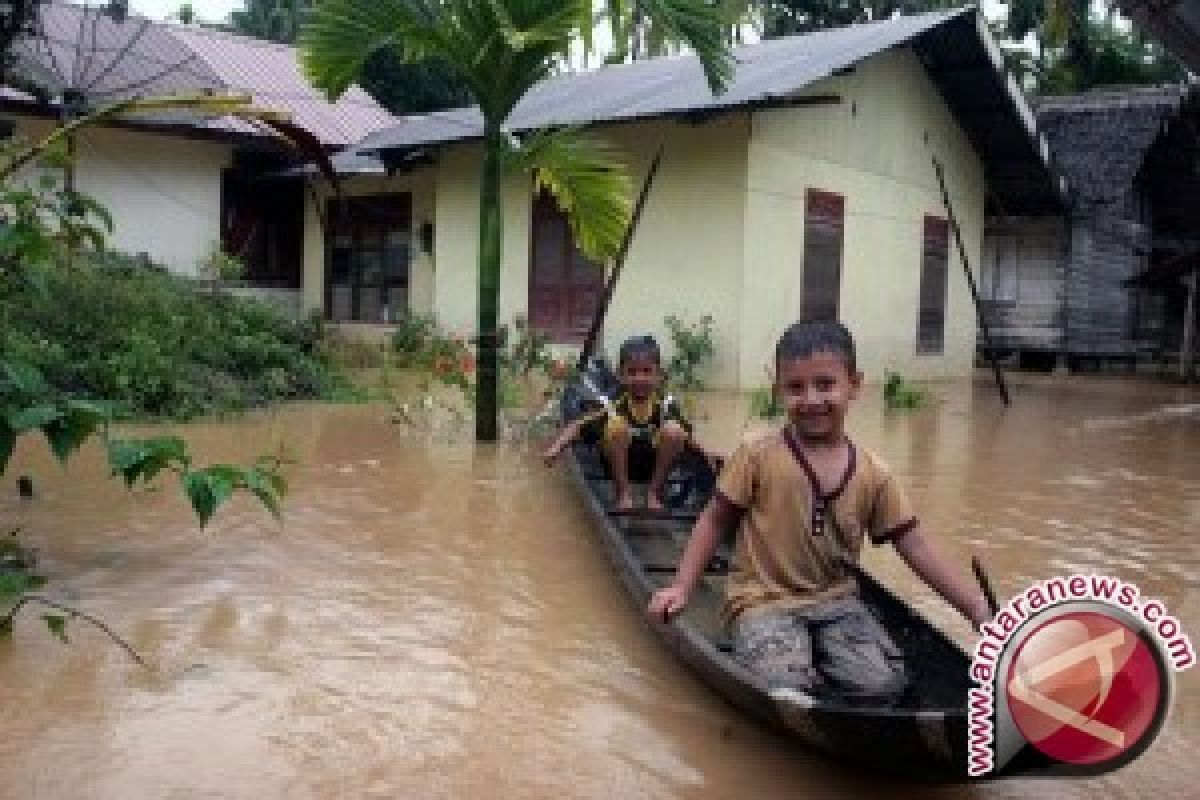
[[340, 35], [588, 180], [557, 22], [697, 24]]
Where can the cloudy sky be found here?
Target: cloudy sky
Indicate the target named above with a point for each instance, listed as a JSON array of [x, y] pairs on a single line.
[[208, 10], [214, 10]]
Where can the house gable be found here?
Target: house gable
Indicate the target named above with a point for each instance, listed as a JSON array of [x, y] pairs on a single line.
[[874, 148]]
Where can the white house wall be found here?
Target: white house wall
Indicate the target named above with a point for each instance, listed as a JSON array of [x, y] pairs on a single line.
[[875, 149]]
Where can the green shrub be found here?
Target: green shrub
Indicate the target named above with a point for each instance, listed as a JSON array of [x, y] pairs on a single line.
[[221, 266], [898, 393], [764, 404], [113, 327], [411, 337], [693, 351]]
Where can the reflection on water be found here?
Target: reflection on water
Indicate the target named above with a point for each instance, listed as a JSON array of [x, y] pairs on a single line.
[[434, 619]]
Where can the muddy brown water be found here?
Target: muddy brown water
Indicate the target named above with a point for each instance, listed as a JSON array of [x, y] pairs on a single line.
[[435, 619]]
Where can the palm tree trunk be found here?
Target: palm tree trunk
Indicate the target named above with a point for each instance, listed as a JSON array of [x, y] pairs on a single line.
[[490, 233]]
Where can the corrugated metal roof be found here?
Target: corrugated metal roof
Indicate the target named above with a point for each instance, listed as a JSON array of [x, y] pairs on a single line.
[[773, 69], [955, 47], [271, 72], [89, 51]]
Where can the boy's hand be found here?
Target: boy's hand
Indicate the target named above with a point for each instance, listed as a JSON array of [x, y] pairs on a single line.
[[551, 454], [666, 603]]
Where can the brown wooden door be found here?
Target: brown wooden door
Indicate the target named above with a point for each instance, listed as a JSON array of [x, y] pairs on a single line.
[[564, 286]]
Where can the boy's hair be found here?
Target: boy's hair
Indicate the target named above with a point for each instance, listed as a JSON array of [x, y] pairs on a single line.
[[638, 346], [803, 339]]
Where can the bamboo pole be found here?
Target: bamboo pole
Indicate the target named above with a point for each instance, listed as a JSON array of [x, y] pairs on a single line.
[[589, 343], [962, 255], [1187, 347]]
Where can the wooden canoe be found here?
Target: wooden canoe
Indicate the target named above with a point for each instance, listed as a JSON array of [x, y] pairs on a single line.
[[924, 735]]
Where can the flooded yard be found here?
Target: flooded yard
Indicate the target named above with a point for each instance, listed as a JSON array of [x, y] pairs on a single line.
[[435, 619]]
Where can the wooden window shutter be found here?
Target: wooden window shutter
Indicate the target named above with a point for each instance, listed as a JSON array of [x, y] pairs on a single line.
[[824, 223], [931, 309], [564, 286]]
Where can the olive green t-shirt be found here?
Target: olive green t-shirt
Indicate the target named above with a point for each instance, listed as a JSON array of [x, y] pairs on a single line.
[[793, 534]]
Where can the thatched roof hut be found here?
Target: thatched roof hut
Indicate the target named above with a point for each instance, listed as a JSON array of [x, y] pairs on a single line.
[[1133, 229]]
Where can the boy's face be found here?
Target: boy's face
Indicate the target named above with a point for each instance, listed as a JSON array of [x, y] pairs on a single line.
[[640, 375], [816, 391]]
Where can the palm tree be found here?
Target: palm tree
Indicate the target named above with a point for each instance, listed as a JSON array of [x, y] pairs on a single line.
[[1055, 24], [275, 20], [500, 49], [785, 17], [635, 34]]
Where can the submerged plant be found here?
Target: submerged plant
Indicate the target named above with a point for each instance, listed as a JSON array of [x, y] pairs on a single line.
[[693, 351], [764, 404], [899, 393]]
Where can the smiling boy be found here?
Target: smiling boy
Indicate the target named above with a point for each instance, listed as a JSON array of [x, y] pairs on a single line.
[[803, 499]]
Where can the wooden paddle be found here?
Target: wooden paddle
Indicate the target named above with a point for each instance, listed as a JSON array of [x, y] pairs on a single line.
[[985, 584], [647, 514]]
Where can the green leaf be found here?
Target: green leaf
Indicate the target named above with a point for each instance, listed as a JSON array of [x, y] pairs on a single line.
[[222, 479], [67, 433], [589, 183], [23, 377], [263, 487], [144, 459], [125, 456], [209, 488], [57, 624], [270, 501], [200, 495], [15, 584], [101, 411], [33, 417], [699, 25], [167, 450], [8, 442], [340, 35], [278, 483]]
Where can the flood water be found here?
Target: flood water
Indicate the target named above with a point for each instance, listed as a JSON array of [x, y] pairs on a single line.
[[435, 619]]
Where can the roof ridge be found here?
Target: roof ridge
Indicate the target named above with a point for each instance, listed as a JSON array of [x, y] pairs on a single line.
[[244, 38], [773, 42]]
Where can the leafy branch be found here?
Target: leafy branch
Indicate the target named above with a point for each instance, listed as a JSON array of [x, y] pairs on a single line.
[[57, 623]]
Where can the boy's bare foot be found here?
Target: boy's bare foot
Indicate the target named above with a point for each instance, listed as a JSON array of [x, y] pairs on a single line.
[[654, 502], [625, 502]]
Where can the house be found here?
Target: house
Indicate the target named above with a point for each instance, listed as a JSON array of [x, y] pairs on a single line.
[[807, 189], [179, 186], [1110, 280]]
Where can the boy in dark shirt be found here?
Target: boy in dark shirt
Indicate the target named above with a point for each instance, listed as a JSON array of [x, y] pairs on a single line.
[[641, 432]]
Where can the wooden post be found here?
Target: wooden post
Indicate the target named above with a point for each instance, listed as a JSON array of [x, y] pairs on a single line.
[[1187, 349], [962, 256]]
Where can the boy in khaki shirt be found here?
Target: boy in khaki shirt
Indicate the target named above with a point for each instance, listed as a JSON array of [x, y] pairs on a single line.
[[803, 499]]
